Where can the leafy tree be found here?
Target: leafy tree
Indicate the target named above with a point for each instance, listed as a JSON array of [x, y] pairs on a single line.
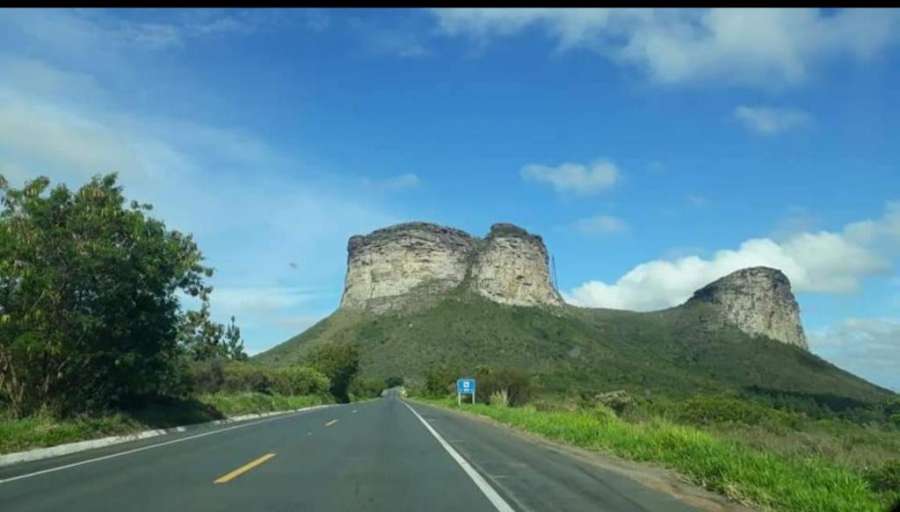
[[203, 339], [233, 344], [88, 308], [392, 382], [340, 363]]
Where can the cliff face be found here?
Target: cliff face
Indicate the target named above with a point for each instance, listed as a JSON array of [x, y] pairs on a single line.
[[512, 268], [395, 266], [758, 301], [386, 265]]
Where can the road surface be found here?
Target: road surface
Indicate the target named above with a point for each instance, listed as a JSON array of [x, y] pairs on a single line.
[[382, 455]]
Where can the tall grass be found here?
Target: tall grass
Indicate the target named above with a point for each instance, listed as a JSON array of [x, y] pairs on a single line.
[[767, 479], [247, 403], [44, 430]]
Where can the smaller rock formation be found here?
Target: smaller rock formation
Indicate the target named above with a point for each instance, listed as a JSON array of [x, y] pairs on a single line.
[[758, 301]]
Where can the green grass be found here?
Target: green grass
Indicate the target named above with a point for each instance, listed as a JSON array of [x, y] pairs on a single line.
[[43, 430], [247, 403], [770, 480]]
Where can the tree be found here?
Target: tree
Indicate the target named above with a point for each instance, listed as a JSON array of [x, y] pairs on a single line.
[[88, 308], [233, 343], [340, 363], [203, 339]]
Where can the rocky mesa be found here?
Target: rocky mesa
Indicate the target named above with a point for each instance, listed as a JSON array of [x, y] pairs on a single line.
[[394, 266], [415, 263]]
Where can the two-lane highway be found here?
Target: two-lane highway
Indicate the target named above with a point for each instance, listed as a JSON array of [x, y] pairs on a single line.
[[383, 455]]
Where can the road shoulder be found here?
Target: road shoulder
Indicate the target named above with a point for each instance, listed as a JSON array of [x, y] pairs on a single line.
[[649, 475]]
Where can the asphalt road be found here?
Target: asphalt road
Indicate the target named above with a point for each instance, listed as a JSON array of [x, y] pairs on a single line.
[[373, 456]]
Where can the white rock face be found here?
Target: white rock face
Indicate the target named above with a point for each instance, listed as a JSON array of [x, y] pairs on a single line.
[[411, 263], [512, 268], [386, 265], [758, 301]]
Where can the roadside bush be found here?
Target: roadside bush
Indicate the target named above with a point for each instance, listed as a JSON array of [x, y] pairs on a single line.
[[299, 380], [340, 363], [709, 410], [392, 382], [439, 380], [499, 398], [512, 381], [365, 388], [240, 377], [885, 477]]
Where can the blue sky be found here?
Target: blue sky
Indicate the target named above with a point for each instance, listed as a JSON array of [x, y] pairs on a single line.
[[654, 151]]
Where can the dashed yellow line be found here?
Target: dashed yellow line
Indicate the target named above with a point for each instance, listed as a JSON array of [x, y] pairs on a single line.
[[330, 423], [227, 477]]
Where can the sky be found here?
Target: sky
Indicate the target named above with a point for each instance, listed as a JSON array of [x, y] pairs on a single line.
[[654, 150]]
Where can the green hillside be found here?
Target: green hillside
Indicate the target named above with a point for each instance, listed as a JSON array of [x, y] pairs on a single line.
[[678, 351]]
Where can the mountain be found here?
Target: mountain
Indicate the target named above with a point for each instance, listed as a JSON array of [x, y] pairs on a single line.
[[419, 295]]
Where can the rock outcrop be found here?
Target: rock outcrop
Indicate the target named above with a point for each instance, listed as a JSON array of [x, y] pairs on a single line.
[[758, 301], [413, 262], [512, 268], [392, 264]]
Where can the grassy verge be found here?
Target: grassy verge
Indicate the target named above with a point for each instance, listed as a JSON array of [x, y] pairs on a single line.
[[247, 403], [44, 430], [769, 480]]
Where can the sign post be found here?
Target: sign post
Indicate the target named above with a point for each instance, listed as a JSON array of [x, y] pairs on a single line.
[[465, 387]]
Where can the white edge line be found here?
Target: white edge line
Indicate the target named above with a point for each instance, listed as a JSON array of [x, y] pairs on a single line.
[[496, 500], [157, 445]]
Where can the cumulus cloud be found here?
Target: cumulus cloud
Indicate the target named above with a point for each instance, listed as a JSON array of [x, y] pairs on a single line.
[[817, 262], [770, 121], [869, 347], [574, 178], [758, 47], [600, 225]]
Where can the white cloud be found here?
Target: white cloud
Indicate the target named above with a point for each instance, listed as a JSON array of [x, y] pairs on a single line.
[[573, 177], [89, 31], [697, 200], [758, 47], [869, 347], [819, 262], [253, 209], [770, 121], [402, 181], [600, 225]]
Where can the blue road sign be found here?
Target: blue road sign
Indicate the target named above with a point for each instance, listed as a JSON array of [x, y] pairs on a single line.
[[465, 386]]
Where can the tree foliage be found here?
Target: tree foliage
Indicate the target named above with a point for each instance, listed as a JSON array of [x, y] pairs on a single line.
[[89, 312], [340, 363]]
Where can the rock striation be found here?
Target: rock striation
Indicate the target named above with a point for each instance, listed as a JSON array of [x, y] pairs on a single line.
[[409, 263], [758, 301]]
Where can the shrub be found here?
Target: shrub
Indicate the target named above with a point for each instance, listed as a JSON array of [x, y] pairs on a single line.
[[514, 382], [439, 380], [885, 477], [392, 382], [340, 363], [499, 398], [299, 380], [365, 388], [708, 410]]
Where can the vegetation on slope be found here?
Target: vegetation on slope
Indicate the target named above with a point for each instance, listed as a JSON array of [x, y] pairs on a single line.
[[677, 352]]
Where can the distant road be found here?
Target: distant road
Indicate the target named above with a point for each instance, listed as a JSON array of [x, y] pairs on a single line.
[[372, 456]]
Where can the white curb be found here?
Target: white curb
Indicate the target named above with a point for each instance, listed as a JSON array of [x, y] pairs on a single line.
[[69, 448]]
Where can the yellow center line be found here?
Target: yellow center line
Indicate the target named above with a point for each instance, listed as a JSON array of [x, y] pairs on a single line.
[[243, 469], [330, 423]]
